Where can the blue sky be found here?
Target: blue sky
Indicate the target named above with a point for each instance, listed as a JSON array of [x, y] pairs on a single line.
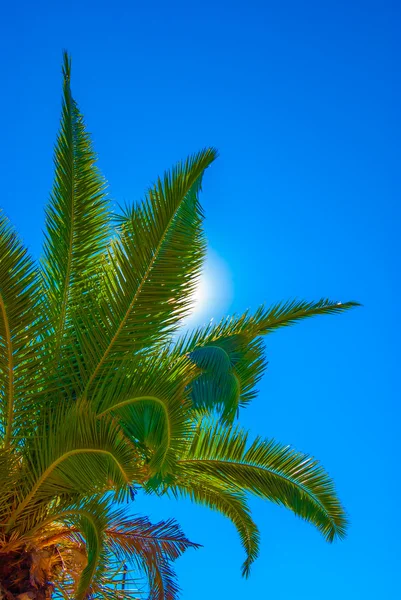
[[302, 100]]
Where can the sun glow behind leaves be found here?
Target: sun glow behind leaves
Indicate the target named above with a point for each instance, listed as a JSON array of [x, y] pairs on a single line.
[[213, 293]]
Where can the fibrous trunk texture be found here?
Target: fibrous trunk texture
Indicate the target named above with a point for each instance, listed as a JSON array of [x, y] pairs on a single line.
[[17, 579]]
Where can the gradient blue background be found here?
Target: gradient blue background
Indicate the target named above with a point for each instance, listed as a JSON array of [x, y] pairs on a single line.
[[302, 100]]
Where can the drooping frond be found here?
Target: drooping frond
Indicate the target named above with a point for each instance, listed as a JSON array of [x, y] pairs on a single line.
[[153, 267], [91, 522], [20, 330], [77, 219], [153, 547], [269, 470], [230, 367], [230, 502], [148, 398], [217, 387]]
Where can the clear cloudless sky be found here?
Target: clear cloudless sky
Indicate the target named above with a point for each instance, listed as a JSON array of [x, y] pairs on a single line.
[[302, 100]]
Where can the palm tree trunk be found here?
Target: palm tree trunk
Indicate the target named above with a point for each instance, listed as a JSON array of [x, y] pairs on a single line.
[[21, 579]]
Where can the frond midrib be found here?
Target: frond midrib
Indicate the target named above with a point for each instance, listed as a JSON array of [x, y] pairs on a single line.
[[66, 282], [10, 398], [51, 468], [137, 293]]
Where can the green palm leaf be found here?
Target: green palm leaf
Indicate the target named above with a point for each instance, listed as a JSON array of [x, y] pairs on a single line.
[[228, 501], [231, 366], [91, 522], [153, 267], [20, 331], [73, 454], [269, 470], [232, 355], [148, 398], [263, 321], [77, 219]]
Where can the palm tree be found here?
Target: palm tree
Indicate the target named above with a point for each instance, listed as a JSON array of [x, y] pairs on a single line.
[[99, 398]]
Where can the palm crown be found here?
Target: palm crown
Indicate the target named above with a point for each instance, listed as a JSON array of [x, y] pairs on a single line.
[[98, 397]]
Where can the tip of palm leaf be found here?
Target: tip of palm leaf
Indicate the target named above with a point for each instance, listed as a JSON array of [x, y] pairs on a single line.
[[66, 66], [214, 152], [337, 531], [350, 304], [211, 153], [246, 569]]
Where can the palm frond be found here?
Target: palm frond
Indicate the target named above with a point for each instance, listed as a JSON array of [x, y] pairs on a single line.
[[230, 502], [269, 470], [9, 475], [77, 218], [231, 367], [147, 397], [153, 547], [20, 331], [232, 356], [263, 321], [153, 267], [73, 454], [288, 313], [91, 524]]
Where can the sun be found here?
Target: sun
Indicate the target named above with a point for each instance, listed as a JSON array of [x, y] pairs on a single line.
[[202, 293], [213, 292]]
